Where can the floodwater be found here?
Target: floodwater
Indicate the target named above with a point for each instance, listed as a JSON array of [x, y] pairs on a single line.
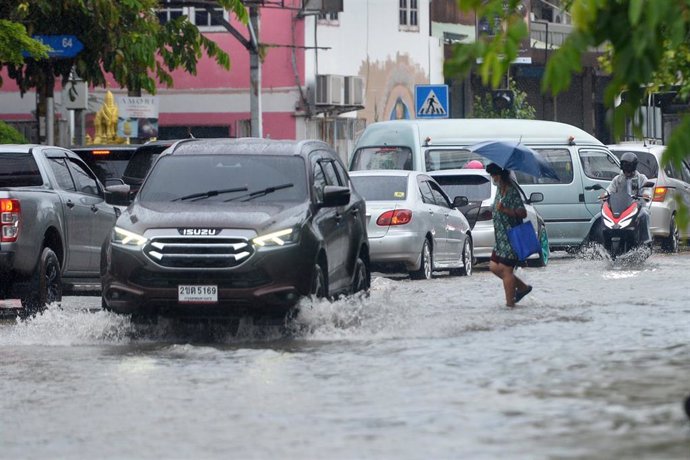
[[594, 363]]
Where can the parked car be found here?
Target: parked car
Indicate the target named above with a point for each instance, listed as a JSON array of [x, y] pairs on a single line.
[[143, 158], [107, 161], [53, 221], [671, 182], [236, 227], [412, 225], [476, 185]]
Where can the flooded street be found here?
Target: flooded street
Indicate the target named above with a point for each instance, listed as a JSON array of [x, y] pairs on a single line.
[[594, 363]]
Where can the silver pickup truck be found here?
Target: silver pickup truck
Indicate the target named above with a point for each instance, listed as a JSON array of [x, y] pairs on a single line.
[[53, 221]]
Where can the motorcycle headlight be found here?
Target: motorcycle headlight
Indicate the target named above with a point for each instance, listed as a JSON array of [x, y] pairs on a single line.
[[127, 238], [274, 239]]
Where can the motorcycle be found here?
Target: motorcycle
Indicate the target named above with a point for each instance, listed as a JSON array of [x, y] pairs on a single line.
[[618, 227]]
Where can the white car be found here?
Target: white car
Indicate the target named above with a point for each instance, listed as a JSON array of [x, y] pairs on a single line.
[[412, 225], [670, 182], [476, 186]]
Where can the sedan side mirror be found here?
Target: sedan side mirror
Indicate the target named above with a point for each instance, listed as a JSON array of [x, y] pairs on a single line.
[[335, 195], [118, 195], [460, 201], [648, 184]]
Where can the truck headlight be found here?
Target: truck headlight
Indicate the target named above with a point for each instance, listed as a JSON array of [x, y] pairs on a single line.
[[279, 238], [127, 238]]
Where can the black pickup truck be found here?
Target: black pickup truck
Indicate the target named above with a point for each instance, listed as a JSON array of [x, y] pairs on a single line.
[[53, 221]]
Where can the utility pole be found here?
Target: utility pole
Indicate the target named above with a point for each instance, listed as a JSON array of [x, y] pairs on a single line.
[[255, 73]]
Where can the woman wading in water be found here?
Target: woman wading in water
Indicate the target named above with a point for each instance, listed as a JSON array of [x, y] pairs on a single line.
[[508, 211]]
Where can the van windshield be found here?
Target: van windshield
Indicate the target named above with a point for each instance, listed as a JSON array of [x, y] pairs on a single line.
[[438, 160], [369, 158]]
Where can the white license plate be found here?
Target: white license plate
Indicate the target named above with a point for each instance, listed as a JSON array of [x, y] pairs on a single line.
[[197, 294]]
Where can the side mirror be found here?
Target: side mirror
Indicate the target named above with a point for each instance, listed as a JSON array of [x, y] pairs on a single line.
[[118, 195], [335, 195], [536, 197], [113, 181], [648, 184], [460, 201], [594, 187]]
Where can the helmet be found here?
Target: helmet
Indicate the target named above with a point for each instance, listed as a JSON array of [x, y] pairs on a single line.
[[628, 162], [473, 164]]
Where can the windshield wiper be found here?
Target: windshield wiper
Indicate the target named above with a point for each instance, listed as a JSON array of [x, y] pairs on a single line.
[[209, 194], [262, 192]]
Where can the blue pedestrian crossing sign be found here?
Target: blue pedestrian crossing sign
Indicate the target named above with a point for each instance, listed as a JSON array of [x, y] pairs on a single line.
[[431, 101]]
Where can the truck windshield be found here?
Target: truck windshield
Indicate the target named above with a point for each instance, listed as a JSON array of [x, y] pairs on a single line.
[[19, 170], [175, 176]]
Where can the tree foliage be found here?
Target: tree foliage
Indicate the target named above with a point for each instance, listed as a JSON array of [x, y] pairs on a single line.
[[9, 135], [122, 38], [484, 106], [14, 39], [648, 43]]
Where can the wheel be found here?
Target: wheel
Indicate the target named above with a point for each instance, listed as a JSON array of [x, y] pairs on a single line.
[[46, 284], [362, 277], [319, 288], [671, 243], [467, 259], [425, 265]]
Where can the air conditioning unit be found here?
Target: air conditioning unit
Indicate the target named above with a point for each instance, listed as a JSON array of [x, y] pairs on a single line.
[[354, 90], [330, 89]]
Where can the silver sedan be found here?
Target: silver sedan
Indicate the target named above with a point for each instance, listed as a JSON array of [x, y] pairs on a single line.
[[476, 186], [412, 225]]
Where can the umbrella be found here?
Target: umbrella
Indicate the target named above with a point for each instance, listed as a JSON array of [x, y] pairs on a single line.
[[515, 156]]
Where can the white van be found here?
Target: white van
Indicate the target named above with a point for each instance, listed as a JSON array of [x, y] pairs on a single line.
[[579, 159]]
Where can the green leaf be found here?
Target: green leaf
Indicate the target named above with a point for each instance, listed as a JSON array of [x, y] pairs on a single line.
[[635, 11]]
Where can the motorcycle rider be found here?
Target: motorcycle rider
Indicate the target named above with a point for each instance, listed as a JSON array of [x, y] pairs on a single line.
[[631, 181]]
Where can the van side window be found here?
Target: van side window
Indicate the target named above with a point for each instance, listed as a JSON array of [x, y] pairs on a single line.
[[560, 161], [382, 158], [437, 160], [598, 164]]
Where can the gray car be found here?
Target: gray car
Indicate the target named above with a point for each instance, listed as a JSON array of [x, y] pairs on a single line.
[[672, 183], [476, 185], [412, 225]]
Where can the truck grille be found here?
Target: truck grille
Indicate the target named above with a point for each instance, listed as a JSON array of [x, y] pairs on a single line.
[[152, 279], [193, 252]]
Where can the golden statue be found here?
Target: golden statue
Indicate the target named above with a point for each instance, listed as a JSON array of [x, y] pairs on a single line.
[[106, 122]]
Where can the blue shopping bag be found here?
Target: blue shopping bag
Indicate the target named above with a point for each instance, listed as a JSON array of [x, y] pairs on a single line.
[[524, 241]]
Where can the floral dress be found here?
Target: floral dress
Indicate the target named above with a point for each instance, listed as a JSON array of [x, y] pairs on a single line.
[[503, 222]]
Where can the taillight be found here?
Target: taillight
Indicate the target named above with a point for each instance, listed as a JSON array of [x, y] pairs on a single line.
[[660, 193], [395, 217], [484, 213], [9, 220]]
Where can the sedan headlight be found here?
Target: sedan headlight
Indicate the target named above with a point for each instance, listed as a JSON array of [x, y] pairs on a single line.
[[279, 238], [127, 238]]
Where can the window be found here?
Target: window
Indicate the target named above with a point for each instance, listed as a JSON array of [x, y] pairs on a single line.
[[437, 160], [329, 172], [408, 14], [439, 198], [427, 196], [85, 182], [19, 170], [62, 174], [330, 18], [560, 161], [319, 178], [381, 188], [382, 158], [597, 164], [197, 15]]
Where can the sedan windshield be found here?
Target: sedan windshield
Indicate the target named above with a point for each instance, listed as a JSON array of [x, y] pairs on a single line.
[[219, 178]]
